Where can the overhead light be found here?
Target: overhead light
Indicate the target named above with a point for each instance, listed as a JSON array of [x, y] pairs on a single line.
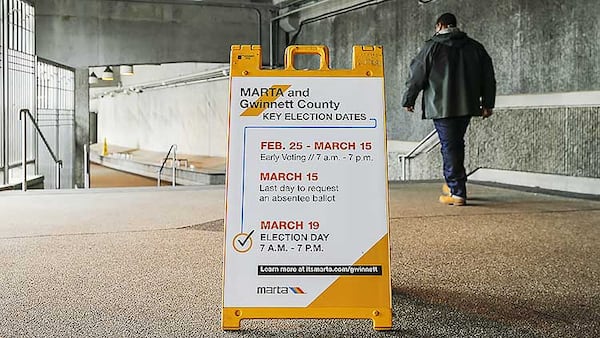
[[93, 79], [107, 75], [126, 70]]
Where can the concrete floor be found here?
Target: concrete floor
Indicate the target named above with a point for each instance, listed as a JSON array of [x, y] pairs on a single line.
[[146, 262]]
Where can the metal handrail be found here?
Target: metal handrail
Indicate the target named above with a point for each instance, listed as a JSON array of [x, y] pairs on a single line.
[[410, 154], [23, 113], [173, 159]]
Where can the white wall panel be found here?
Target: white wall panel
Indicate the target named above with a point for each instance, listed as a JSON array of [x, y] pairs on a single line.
[[192, 116]]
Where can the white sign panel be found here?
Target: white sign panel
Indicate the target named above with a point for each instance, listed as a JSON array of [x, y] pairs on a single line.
[[307, 186]]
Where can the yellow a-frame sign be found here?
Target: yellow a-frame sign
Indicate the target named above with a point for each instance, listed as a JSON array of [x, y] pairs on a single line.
[[306, 230]]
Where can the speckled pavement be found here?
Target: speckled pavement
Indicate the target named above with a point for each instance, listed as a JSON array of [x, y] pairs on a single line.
[[147, 263]]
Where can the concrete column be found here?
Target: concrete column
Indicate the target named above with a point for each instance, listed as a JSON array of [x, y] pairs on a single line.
[[82, 123], [5, 92]]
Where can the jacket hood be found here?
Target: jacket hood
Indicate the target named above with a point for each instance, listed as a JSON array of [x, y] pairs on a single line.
[[452, 39]]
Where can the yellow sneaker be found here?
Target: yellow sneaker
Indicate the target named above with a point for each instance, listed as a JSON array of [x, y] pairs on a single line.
[[446, 190], [452, 200]]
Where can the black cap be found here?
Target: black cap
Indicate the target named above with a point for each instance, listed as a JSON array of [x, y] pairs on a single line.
[[447, 19]]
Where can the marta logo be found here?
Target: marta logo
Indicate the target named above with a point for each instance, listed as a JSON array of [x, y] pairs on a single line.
[[279, 290]]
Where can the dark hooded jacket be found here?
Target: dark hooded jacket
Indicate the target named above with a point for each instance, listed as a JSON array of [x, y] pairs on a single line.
[[456, 75]]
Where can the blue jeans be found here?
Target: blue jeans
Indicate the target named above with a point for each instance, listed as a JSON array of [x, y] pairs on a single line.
[[451, 132]]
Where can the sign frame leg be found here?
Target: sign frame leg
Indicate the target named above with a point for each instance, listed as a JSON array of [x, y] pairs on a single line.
[[381, 318]]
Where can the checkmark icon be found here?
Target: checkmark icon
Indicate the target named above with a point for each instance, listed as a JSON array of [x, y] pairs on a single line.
[[242, 242]]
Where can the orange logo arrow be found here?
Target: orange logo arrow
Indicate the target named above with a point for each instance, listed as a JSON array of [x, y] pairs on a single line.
[[256, 108]]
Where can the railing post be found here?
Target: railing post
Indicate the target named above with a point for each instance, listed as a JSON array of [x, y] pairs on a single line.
[[411, 154], [23, 118], [57, 179], [86, 166], [403, 160], [173, 159], [174, 163]]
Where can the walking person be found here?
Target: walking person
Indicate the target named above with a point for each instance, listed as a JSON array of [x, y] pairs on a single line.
[[457, 78]]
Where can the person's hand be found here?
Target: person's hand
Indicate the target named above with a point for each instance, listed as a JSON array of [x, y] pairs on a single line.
[[410, 109], [487, 112]]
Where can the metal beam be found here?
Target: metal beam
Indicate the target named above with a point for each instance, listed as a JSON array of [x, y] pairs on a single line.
[[289, 3], [213, 3]]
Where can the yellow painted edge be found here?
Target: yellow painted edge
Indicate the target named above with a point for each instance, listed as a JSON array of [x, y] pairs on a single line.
[[227, 163], [361, 291]]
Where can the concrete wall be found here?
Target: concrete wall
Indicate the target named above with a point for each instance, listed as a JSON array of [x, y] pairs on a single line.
[[82, 33], [537, 46], [559, 140], [82, 124]]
